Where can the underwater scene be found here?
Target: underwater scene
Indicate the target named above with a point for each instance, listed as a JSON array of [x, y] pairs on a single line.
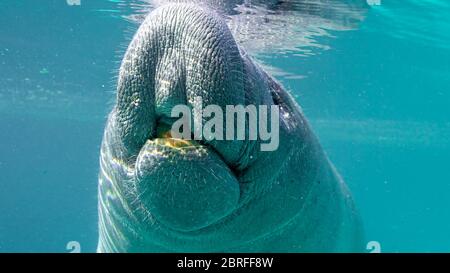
[[88, 164]]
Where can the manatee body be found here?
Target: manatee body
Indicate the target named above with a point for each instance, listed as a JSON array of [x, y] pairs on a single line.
[[162, 194]]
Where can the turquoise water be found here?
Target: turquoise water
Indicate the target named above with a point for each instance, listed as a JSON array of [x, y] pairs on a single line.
[[373, 80]]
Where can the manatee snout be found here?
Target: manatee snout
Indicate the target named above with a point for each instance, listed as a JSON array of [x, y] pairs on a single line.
[[180, 54], [183, 184]]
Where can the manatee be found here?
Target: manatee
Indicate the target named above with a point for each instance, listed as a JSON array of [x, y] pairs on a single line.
[[158, 193]]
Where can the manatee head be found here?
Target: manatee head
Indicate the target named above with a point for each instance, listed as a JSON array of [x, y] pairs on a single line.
[[204, 194]]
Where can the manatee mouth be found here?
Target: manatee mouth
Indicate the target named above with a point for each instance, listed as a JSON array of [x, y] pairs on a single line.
[[183, 184]]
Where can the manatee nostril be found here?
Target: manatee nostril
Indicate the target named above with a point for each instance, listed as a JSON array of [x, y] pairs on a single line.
[[184, 187]]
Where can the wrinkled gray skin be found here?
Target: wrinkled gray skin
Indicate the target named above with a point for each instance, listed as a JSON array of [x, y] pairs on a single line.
[[158, 194]]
